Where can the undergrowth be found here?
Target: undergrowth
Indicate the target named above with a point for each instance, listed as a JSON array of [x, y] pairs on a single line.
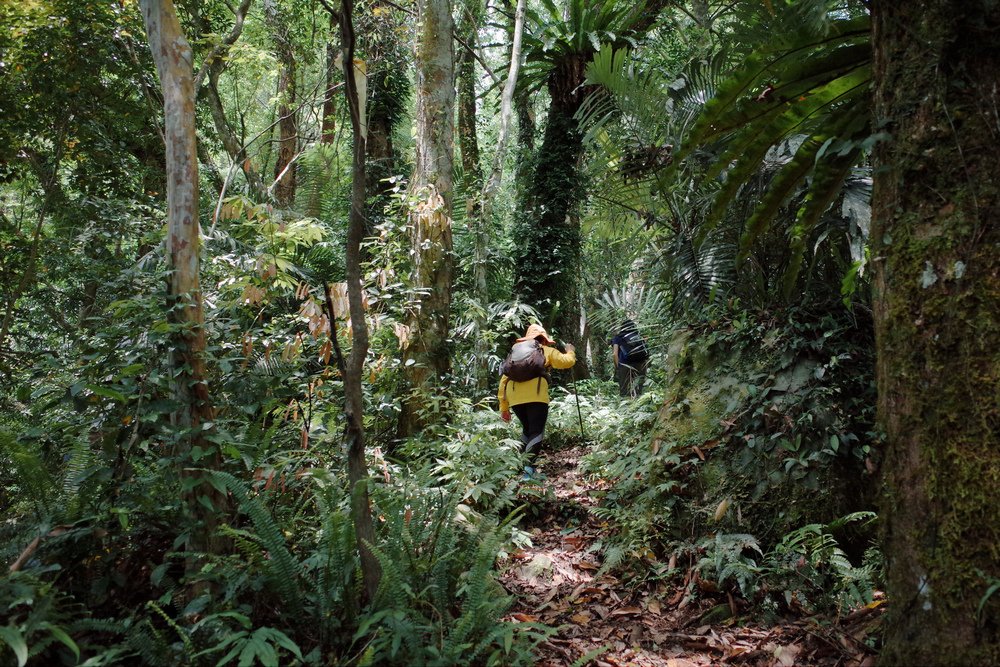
[[751, 466]]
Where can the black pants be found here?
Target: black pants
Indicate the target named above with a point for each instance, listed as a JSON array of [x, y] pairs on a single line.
[[532, 417], [631, 378]]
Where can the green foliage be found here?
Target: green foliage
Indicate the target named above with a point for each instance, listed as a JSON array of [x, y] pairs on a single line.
[[39, 619], [743, 174], [807, 569], [554, 37], [439, 602], [263, 645]]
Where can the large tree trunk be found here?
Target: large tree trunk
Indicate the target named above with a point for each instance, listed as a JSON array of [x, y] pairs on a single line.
[[430, 220], [468, 138], [548, 251], [173, 58], [288, 132], [936, 207], [388, 88]]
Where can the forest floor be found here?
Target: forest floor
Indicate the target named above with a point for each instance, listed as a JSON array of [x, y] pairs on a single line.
[[652, 623]]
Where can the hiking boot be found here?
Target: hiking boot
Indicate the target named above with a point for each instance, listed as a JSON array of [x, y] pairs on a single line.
[[530, 474]]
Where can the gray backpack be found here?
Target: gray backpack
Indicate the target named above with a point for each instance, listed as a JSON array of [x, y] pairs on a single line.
[[526, 361]]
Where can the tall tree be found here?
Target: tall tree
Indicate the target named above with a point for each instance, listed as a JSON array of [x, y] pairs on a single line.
[[468, 138], [352, 367], [288, 131], [194, 412], [388, 95], [937, 277], [548, 252], [430, 217], [482, 214]]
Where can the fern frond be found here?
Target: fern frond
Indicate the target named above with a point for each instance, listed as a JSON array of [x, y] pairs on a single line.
[[282, 568]]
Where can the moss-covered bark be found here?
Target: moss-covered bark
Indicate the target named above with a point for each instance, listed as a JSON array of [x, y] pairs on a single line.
[[935, 240], [548, 236]]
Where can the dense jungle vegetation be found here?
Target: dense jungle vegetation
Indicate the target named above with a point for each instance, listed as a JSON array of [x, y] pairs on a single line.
[[261, 262]]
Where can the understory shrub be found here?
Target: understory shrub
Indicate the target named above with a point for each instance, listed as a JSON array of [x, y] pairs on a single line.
[[764, 431]]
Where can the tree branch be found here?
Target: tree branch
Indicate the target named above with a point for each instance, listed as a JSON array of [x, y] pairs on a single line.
[[223, 46]]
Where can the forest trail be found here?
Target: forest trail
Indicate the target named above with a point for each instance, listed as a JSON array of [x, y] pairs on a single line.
[[557, 581]]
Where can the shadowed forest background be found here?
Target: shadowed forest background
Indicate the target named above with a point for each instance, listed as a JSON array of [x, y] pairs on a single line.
[[261, 260]]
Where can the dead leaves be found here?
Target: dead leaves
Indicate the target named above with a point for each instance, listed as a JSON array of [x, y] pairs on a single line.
[[557, 584]]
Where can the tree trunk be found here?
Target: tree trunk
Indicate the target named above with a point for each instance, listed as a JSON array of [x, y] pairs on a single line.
[[548, 252], [935, 234], [173, 58], [284, 171], [353, 368], [234, 147], [482, 215], [328, 124], [388, 88], [430, 219], [467, 134]]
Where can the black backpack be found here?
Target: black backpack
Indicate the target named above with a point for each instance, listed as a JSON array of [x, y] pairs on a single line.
[[633, 348], [526, 361]]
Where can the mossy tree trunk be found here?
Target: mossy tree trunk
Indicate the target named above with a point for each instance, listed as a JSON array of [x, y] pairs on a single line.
[[935, 239], [388, 100], [547, 250], [428, 355]]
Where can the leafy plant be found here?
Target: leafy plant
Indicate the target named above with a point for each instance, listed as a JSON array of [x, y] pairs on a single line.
[[807, 568]]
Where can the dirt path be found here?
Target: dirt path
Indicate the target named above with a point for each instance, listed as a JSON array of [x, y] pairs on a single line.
[[557, 582]]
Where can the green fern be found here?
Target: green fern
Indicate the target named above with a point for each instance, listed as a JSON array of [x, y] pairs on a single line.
[[283, 570]]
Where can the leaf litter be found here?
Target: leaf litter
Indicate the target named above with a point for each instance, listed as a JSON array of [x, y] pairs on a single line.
[[558, 581]]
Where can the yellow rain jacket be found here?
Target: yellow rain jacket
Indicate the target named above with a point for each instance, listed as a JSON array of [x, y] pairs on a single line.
[[531, 391]]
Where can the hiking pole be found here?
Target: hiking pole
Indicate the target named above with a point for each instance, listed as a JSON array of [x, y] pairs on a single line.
[[579, 414]]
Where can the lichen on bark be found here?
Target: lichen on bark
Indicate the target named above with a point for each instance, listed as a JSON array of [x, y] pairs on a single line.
[[937, 280]]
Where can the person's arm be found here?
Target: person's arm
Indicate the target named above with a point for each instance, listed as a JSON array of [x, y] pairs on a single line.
[[614, 354], [559, 359], [502, 397]]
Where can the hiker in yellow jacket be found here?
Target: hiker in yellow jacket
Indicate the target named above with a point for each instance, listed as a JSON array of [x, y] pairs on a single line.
[[530, 399]]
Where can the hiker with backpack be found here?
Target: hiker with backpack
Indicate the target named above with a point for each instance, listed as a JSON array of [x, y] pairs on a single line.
[[524, 386], [631, 358]]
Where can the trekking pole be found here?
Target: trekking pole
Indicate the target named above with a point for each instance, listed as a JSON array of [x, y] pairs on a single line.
[[579, 413]]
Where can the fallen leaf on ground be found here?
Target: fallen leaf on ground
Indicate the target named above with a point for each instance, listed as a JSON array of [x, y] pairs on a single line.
[[785, 655], [583, 617], [681, 662], [627, 611]]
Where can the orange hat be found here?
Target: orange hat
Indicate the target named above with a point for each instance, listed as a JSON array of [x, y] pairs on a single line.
[[537, 331]]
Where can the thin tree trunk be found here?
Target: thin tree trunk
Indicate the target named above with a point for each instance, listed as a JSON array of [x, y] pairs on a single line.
[[173, 58], [468, 139], [935, 235], [284, 171], [353, 367], [234, 147], [483, 215], [328, 124], [430, 220]]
